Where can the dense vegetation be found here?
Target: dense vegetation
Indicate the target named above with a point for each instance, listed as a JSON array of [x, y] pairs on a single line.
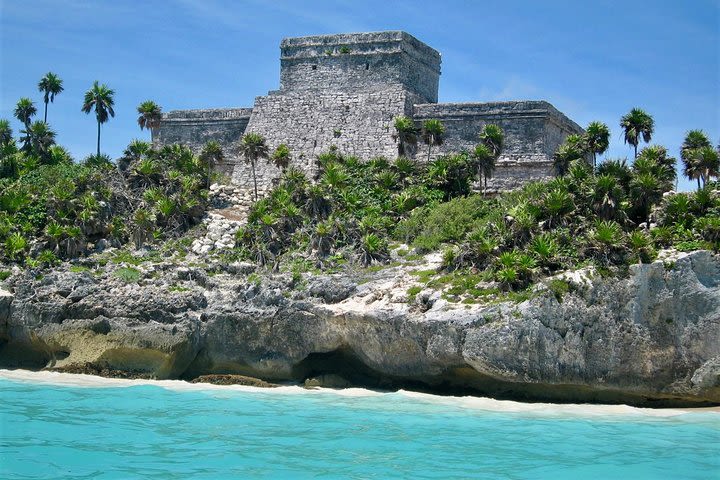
[[608, 214]]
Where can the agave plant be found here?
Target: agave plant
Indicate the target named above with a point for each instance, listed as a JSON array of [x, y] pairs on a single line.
[[15, 246], [372, 248]]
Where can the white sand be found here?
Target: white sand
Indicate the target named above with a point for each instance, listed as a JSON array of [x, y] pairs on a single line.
[[470, 402]]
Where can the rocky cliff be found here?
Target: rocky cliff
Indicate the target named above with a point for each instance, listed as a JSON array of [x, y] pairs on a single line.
[[652, 338]]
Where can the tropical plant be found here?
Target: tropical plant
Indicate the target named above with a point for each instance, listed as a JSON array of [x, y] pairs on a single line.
[[5, 132], [597, 139], [281, 157], [100, 98], [570, 150], [211, 155], [39, 137], [487, 153], [694, 139], [707, 163], [405, 134], [485, 161], [646, 190], [50, 85], [433, 132], [637, 124], [150, 116], [253, 147], [24, 111]]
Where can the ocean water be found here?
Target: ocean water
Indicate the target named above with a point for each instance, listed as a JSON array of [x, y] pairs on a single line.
[[72, 426]]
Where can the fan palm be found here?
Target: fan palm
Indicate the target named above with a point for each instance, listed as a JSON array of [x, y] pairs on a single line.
[[253, 147], [39, 137], [5, 132], [597, 138], [694, 139], [150, 116], [405, 134], [281, 157], [432, 132], [485, 161], [211, 155], [636, 124], [100, 98], [707, 161], [50, 85], [25, 110]]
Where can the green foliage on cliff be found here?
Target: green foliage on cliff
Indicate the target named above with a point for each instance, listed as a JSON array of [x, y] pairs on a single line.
[[56, 210]]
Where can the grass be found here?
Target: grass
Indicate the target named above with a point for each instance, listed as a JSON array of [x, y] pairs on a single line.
[[128, 274]]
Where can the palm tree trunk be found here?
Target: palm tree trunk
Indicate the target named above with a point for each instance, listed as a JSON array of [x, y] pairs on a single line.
[[594, 162], [635, 150], [485, 187], [429, 150], [252, 165], [698, 180], [45, 112], [98, 142]]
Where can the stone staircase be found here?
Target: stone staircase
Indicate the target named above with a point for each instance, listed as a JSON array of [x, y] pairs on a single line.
[[230, 205]]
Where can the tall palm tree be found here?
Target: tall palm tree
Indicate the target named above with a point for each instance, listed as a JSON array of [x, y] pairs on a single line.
[[405, 134], [25, 110], [5, 131], [636, 124], [707, 161], [99, 97], [492, 138], [432, 132], [253, 147], [694, 139], [150, 116], [485, 161], [597, 138], [50, 85]]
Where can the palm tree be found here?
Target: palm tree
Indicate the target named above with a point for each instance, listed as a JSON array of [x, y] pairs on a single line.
[[39, 137], [99, 97], [281, 157], [5, 132], [25, 110], [211, 155], [597, 138], [637, 124], [253, 147], [485, 161], [646, 191], [707, 161], [150, 116], [50, 85], [432, 133], [405, 134], [570, 150], [694, 139], [493, 137]]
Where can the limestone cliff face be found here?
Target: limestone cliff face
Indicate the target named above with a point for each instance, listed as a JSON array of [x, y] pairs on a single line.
[[650, 339]]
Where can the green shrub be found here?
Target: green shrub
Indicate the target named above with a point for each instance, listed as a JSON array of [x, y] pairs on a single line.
[[128, 274]]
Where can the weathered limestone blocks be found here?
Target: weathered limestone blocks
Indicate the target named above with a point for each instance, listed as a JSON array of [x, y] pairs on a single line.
[[345, 90]]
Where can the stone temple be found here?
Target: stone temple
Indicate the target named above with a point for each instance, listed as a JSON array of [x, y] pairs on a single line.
[[345, 91]]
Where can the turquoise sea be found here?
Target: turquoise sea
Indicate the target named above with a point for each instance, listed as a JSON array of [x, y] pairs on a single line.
[[72, 426]]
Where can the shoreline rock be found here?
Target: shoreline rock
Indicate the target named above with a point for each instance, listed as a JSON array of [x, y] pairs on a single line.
[[652, 339]]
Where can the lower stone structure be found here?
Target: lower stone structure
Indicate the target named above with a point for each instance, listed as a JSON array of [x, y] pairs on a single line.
[[345, 91]]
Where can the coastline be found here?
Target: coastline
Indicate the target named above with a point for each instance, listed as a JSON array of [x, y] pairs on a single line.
[[466, 402]]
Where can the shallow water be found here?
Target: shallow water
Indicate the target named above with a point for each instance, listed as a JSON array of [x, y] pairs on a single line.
[[72, 426]]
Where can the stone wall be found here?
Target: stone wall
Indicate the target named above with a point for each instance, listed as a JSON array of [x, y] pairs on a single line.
[[357, 123], [358, 61], [533, 131], [194, 128]]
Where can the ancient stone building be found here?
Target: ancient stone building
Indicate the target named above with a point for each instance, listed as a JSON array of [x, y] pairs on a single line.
[[345, 90]]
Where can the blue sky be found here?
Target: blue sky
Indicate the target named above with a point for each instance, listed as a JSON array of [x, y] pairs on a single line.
[[592, 60]]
